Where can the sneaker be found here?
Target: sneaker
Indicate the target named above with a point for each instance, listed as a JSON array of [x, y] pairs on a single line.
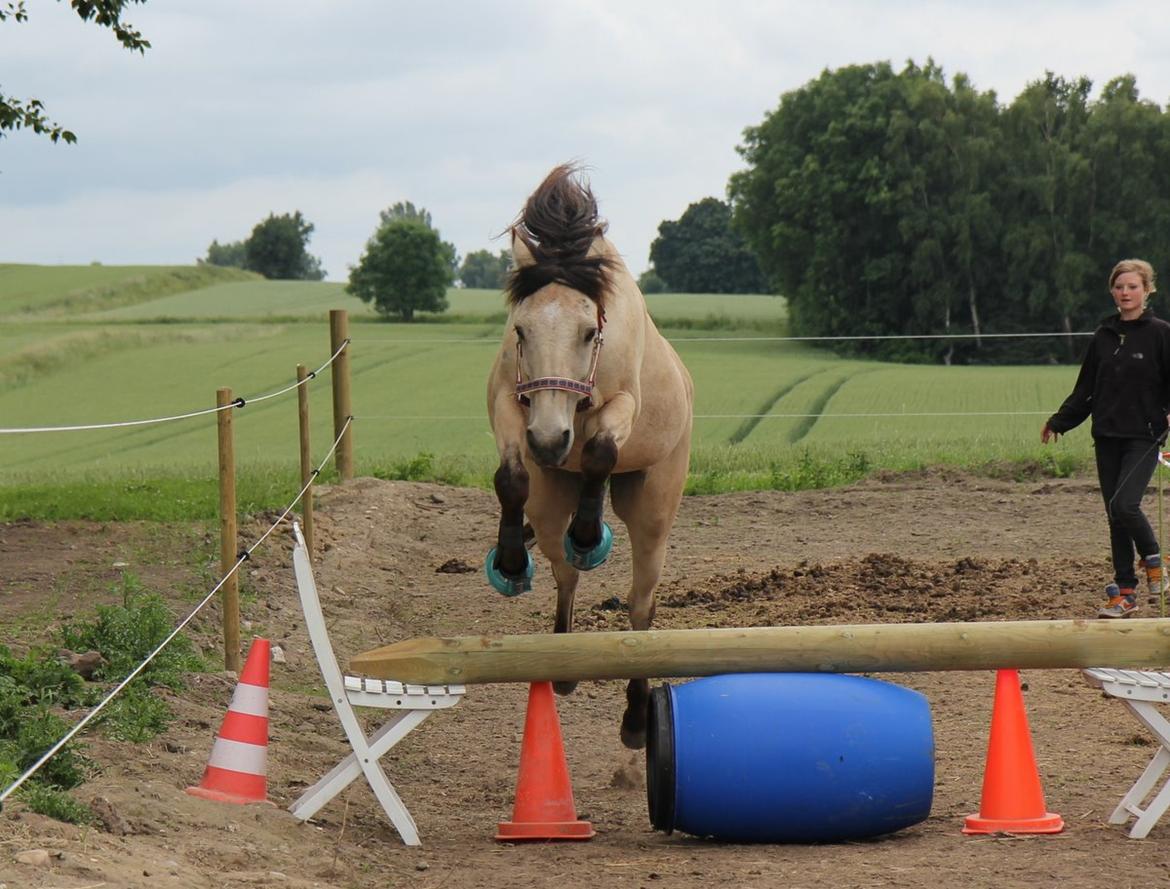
[[1154, 575], [1122, 602]]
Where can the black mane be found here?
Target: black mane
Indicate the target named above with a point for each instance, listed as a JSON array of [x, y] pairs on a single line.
[[558, 225]]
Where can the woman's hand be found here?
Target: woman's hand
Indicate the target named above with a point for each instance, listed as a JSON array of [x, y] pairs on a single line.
[[1047, 434]]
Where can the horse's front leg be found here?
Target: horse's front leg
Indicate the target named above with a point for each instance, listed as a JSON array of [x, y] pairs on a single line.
[[589, 539], [509, 567]]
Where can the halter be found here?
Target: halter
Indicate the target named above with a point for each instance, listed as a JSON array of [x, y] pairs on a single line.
[[565, 384]]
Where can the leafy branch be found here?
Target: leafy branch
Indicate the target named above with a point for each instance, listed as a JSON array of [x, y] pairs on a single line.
[[16, 114]]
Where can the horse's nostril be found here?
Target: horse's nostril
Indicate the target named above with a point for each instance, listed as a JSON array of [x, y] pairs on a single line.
[[565, 438]]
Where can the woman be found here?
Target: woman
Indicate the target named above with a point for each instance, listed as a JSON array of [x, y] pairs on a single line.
[[1124, 384]]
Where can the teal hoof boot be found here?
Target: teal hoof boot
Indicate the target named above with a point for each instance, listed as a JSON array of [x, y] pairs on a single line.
[[506, 584], [588, 559]]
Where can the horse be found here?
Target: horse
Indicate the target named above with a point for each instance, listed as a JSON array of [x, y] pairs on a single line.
[[584, 392]]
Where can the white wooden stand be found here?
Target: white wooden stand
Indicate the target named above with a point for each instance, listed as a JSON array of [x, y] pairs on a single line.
[[411, 705], [1142, 692]]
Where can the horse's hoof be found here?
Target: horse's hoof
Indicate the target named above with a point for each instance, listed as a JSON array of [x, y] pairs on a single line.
[[588, 559], [565, 687], [508, 584], [633, 736]]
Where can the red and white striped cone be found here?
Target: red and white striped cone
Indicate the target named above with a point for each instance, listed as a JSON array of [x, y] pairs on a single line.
[[237, 771]]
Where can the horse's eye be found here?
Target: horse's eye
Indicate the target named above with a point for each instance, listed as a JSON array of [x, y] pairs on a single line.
[[519, 333], [590, 335]]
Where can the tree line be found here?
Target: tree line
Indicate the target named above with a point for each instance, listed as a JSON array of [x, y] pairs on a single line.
[[882, 202], [406, 266]]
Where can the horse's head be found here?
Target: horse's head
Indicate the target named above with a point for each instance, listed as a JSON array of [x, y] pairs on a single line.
[[560, 274]]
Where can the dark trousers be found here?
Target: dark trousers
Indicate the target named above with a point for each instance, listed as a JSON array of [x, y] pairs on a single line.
[[1124, 469]]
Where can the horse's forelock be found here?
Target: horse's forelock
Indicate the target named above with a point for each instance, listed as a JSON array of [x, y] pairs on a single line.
[[558, 226]]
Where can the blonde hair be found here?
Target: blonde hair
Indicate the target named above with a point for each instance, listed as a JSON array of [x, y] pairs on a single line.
[[1143, 268]]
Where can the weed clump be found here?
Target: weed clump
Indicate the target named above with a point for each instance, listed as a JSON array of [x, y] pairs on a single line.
[[38, 691]]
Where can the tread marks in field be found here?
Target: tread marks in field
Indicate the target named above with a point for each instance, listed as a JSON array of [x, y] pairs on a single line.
[[806, 424], [747, 426], [817, 408]]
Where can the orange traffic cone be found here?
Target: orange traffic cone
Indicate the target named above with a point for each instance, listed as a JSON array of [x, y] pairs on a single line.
[[544, 808], [238, 767], [1013, 800]]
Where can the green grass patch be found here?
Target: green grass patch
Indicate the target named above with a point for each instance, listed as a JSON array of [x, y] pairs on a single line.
[[418, 392], [718, 470], [55, 803], [35, 689], [714, 469], [158, 496], [57, 291], [59, 350]]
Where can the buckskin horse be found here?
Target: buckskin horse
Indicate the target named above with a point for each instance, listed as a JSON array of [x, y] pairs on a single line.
[[584, 393]]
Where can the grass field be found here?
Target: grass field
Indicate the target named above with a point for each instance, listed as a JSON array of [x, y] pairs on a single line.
[[94, 344]]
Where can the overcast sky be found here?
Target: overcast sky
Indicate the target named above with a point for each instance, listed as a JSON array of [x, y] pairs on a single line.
[[342, 108]]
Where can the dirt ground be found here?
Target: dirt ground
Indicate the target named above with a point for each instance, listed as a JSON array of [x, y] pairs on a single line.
[[399, 560]]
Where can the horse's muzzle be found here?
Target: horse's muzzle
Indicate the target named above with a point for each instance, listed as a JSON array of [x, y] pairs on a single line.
[[550, 450]]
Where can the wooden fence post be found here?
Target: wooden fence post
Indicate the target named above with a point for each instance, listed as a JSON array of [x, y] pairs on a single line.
[[342, 409], [228, 553], [306, 458]]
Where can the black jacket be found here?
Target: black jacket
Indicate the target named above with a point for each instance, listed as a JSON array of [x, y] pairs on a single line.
[[1124, 381]]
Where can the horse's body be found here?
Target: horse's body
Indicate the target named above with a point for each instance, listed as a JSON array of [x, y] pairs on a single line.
[[569, 289]]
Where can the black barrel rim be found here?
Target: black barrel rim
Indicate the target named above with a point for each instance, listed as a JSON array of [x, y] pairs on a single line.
[[660, 770]]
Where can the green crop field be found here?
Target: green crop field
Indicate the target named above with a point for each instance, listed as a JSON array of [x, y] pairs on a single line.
[[88, 345]]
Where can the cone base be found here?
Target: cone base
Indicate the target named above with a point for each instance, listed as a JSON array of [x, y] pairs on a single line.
[[220, 796], [545, 830], [1046, 823]]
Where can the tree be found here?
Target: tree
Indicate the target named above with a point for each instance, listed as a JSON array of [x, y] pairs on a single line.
[[405, 210], [700, 253], [1125, 144], [974, 140], [819, 207], [649, 282], [872, 201], [481, 269], [405, 268], [276, 249], [233, 255], [29, 114], [895, 203], [942, 147], [1046, 247]]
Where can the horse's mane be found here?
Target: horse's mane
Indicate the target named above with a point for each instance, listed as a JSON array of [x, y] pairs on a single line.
[[558, 225]]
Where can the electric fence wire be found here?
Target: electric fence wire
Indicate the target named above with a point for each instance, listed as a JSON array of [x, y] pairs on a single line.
[[761, 339], [237, 402], [243, 557], [481, 418]]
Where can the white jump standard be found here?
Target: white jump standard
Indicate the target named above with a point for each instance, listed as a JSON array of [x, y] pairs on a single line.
[[1142, 692], [411, 705]]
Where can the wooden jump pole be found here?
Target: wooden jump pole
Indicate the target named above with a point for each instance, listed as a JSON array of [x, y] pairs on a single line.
[[228, 542], [856, 648], [306, 457], [342, 406]]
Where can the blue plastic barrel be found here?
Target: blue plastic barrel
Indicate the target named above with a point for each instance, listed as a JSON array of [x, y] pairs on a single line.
[[788, 757]]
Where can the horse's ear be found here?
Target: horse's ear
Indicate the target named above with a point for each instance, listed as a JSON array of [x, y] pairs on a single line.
[[521, 255]]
